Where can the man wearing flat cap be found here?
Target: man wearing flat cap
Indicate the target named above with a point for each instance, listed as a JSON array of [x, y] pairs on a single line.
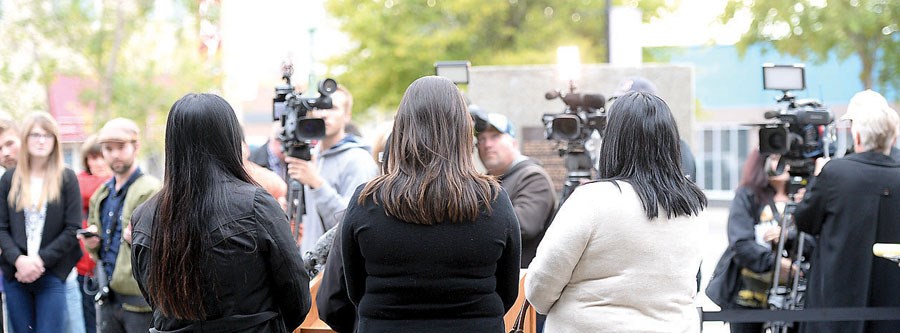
[[853, 204], [123, 309]]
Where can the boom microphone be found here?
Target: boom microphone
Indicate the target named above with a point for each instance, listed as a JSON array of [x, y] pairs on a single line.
[[551, 94], [595, 101]]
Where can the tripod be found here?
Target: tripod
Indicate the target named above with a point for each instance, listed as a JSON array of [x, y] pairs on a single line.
[[296, 207], [296, 200], [578, 168], [790, 295]]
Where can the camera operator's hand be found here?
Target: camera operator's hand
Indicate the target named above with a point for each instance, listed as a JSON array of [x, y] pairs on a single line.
[[304, 172]]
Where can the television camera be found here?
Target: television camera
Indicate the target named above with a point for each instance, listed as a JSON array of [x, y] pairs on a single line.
[[572, 128], [298, 130], [799, 134]]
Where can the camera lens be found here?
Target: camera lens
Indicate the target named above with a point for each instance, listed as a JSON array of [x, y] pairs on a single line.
[[566, 127], [327, 86]]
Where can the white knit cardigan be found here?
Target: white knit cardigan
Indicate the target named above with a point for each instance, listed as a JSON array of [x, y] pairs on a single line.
[[604, 267]]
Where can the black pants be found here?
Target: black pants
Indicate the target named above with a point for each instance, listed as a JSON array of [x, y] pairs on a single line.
[[115, 319], [1, 312]]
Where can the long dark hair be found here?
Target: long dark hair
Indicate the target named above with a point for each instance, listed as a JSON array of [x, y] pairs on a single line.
[[203, 150], [755, 178], [429, 174], [641, 147]]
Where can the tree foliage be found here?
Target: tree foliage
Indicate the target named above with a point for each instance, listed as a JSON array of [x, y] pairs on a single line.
[[138, 59], [397, 41], [818, 29]]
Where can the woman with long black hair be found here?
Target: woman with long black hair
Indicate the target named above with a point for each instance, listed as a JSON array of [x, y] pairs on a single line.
[[623, 252], [431, 245], [212, 251]]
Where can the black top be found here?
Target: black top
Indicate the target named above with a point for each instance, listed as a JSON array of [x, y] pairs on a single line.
[[332, 301], [59, 248], [445, 277], [255, 278]]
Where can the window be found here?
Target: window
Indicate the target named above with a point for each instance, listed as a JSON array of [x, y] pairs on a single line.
[[724, 150]]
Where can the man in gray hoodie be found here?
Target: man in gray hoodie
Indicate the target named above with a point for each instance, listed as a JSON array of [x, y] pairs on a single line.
[[340, 163]]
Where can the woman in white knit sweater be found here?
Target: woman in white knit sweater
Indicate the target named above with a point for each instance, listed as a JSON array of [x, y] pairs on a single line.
[[622, 253]]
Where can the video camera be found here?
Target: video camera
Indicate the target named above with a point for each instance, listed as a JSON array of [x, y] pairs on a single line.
[[584, 113], [291, 108], [798, 133]]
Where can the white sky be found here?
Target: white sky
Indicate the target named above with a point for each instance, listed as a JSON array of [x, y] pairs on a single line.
[[695, 22]]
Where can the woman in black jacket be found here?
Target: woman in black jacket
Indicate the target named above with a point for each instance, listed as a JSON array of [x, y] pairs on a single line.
[[431, 245], [212, 252], [40, 210], [753, 231]]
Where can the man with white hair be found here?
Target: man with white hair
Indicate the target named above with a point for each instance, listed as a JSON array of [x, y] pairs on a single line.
[[853, 204]]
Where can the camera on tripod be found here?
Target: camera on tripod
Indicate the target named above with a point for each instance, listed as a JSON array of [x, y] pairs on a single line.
[[298, 130], [584, 113], [798, 133]]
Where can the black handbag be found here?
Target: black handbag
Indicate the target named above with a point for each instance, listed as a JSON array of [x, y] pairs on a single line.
[[519, 325], [725, 280]]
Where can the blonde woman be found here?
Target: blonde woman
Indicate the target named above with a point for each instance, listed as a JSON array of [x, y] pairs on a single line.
[[39, 214]]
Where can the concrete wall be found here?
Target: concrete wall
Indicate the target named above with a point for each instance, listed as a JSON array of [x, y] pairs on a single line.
[[518, 91]]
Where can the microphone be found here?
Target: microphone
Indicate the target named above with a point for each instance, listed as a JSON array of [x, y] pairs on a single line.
[[595, 101], [887, 250], [552, 94]]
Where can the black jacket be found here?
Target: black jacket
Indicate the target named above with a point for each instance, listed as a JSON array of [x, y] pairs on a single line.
[[255, 279], [534, 200], [59, 247], [854, 203], [743, 216]]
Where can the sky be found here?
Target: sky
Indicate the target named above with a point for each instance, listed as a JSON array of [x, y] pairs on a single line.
[[694, 22]]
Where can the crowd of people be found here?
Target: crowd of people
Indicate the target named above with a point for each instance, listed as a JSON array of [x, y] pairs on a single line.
[[409, 235]]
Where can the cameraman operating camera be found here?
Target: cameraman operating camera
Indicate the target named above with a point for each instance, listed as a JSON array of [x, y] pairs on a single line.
[[854, 203], [340, 163]]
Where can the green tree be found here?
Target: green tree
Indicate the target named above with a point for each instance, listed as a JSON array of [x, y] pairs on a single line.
[[139, 59], [397, 41], [817, 29]]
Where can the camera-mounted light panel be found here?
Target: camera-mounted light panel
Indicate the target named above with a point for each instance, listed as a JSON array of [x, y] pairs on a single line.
[[784, 77], [454, 70]]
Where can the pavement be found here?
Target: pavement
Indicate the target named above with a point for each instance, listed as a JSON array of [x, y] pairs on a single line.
[[716, 216]]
